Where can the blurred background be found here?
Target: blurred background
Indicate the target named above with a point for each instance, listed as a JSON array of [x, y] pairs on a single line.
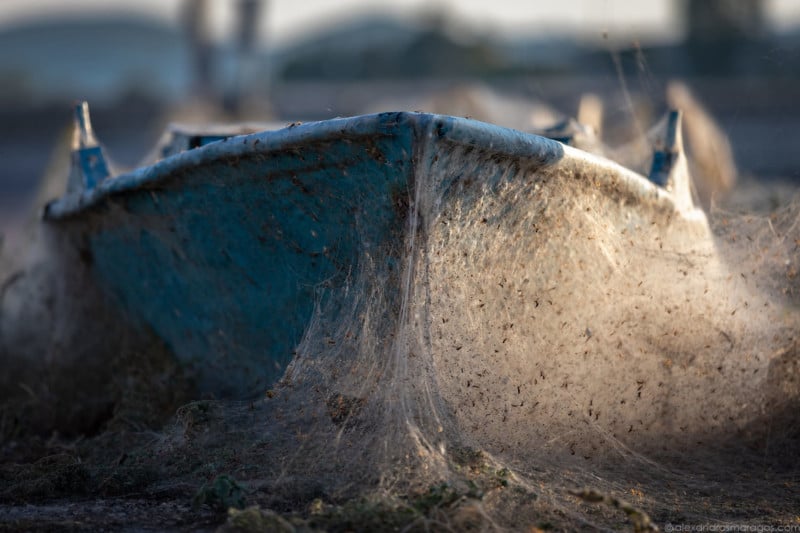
[[144, 63]]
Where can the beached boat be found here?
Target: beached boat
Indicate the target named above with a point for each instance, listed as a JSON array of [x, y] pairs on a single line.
[[227, 245]]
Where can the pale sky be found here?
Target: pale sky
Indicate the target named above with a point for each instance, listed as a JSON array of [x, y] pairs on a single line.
[[288, 19]]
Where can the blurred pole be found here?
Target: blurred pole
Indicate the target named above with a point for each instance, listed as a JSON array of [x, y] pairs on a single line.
[[717, 20], [720, 30], [248, 13], [196, 22]]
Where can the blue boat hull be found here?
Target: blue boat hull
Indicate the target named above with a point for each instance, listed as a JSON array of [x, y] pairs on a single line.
[[225, 251]]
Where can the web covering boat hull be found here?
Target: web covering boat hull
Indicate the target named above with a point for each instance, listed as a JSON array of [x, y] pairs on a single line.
[[227, 250]]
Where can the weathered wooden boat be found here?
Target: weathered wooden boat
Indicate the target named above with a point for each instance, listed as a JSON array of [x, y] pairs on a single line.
[[226, 245]]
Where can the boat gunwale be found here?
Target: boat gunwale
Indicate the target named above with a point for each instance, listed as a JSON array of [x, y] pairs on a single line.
[[535, 149]]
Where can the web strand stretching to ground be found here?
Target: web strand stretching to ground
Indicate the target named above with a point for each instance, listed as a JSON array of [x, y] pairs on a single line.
[[572, 335]]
